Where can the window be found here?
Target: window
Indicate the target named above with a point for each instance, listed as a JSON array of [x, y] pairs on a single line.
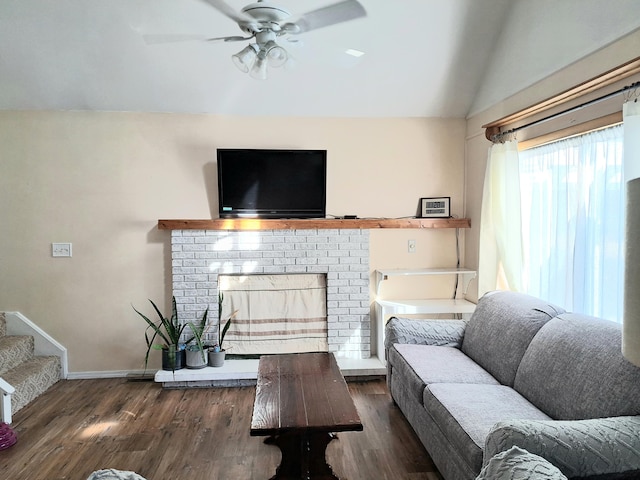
[[573, 202]]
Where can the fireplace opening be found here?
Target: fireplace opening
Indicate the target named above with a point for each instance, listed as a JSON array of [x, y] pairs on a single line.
[[276, 313]]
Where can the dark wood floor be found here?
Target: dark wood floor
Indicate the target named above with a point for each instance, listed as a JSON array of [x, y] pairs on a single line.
[[84, 425]]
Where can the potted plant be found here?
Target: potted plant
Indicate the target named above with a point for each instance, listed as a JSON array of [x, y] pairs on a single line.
[[217, 353], [169, 331], [195, 347]]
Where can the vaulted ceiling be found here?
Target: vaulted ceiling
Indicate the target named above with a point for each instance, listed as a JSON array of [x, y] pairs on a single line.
[[427, 58]]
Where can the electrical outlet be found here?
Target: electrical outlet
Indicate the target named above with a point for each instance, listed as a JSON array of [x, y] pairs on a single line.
[[61, 249], [411, 246]]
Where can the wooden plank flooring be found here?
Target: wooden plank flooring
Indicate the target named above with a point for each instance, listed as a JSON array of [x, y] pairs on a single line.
[[201, 434]]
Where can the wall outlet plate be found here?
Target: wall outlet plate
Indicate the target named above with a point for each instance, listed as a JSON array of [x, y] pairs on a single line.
[[61, 249]]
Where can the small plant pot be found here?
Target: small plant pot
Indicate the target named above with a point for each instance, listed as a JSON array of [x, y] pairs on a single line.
[[216, 359], [196, 359], [175, 363]]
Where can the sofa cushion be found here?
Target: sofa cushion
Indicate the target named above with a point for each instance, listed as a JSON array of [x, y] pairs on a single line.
[[501, 328], [574, 369], [467, 412], [518, 464], [420, 365]]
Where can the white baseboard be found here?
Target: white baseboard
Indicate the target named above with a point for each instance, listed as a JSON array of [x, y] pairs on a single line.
[[106, 374]]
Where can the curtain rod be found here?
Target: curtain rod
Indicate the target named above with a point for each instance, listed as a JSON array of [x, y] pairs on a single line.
[[498, 136]]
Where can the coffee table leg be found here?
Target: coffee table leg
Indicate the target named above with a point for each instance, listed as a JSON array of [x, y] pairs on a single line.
[[303, 456], [318, 466]]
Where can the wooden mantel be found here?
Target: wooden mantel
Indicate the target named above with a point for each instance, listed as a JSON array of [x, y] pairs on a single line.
[[312, 223]]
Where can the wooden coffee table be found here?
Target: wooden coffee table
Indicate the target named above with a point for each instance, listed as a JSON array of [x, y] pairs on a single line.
[[301, 400]]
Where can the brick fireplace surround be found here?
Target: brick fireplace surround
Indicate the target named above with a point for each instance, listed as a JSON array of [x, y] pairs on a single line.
[[198, 256]]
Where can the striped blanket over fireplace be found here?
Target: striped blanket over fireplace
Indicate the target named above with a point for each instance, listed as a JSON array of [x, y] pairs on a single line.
[[277, 313]]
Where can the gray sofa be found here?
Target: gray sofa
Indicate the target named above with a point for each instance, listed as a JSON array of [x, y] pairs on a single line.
[[520, 372]]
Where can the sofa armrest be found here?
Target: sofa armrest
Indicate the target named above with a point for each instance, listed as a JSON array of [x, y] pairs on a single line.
[[516, 463], [447, 333], [579, 448]]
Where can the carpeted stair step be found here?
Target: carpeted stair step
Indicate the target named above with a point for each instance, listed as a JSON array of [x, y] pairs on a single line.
[[14, 350], [3, 325], [32, 378]]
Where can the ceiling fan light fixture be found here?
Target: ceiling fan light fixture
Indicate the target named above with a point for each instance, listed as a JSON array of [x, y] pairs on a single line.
[[276, 55], [259, 69], [245, 58]]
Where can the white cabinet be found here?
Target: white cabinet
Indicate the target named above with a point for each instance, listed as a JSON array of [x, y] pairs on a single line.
[[425, 306]]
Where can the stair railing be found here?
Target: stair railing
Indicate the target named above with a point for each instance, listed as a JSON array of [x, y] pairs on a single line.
[[45, 344], [6, 391]]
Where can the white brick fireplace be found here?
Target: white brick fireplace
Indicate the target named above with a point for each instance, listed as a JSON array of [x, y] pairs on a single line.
[[198, 256]]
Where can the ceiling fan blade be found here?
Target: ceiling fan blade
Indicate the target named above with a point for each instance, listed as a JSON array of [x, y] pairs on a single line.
[[330, 15], [228, 11], [157, 39], [228, 39]]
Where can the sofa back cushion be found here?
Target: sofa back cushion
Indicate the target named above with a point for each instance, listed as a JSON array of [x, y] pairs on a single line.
[[574, 369], [500, 330]]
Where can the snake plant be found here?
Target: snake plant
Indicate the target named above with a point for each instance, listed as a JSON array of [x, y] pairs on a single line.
[[167, 330]]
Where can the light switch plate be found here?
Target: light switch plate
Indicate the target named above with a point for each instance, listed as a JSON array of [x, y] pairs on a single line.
[[61, 249]]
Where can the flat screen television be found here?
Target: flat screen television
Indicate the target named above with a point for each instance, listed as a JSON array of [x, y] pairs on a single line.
[[272, 183]]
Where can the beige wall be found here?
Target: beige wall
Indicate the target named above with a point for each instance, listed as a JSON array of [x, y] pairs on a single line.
[[477, 145], [102, 180]]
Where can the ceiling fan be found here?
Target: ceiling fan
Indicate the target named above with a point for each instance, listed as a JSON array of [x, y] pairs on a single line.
[[265, 22]]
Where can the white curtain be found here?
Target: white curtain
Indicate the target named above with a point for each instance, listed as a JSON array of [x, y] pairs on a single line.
[[500, 259], [573, 205], [631, 126], [631, 323]]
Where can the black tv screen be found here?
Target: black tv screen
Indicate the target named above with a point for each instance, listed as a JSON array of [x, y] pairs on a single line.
[[272, 183]]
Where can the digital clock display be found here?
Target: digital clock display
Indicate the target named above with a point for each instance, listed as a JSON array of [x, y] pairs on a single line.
[[435, 207]]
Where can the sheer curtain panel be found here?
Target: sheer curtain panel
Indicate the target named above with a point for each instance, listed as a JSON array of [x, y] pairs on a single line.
[[631, 323], [573, 205], [500, 259]]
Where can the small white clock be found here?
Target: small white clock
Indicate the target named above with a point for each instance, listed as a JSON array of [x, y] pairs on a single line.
[[435, 207]]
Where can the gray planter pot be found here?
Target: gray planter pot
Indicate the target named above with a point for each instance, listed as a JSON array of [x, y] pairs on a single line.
[[216, 359], [195, 360], [175, 362]]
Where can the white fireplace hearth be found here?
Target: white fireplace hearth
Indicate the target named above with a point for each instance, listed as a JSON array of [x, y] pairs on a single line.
[[199, 256]]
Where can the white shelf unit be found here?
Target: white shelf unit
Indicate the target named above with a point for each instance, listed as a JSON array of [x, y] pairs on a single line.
[[425, 306]]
